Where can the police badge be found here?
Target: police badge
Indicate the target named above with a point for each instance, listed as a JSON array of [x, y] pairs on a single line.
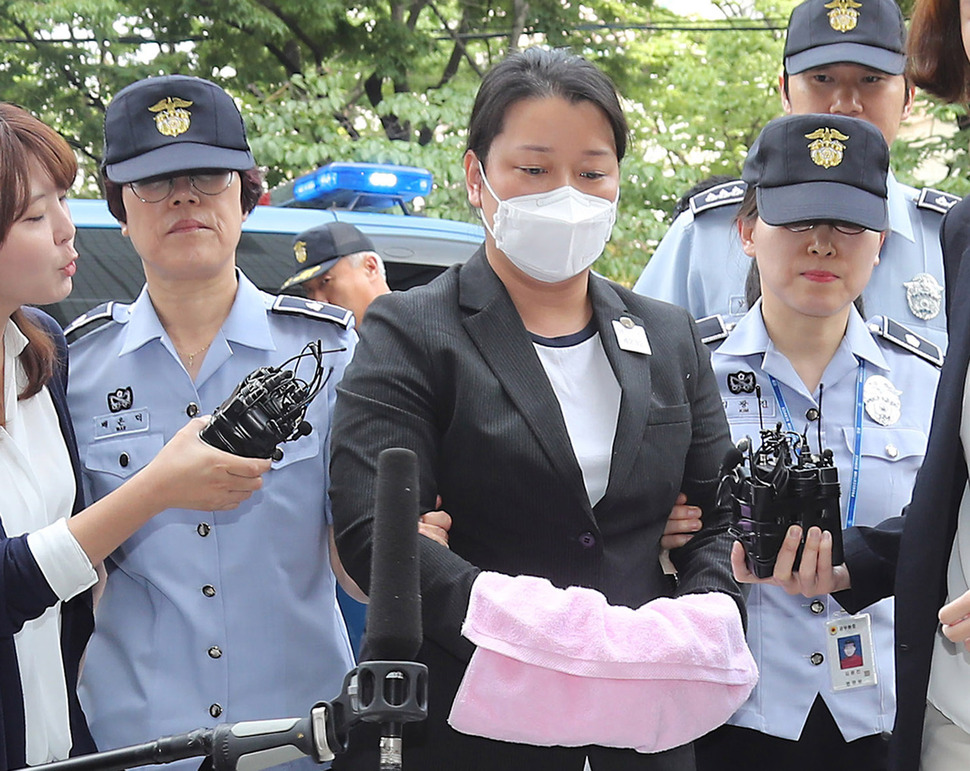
[[882, 401], [741, 382], [924, 295], [171, 117], [827, 150], [843, 15], [121, 399]]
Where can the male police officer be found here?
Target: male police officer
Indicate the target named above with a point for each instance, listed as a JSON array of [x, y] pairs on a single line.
[[338, 264], [843, 57]]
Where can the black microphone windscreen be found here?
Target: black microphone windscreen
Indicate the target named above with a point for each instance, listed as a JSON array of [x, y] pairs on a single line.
[[732, 459], [394, 631]]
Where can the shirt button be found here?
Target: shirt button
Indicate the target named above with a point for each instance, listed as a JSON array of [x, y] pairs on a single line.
[[209, 590], [203, 529], [587, 540], [892, 451], [811, 414], [215, 652], [817, 606], [816, 658], [192, 410], [124, 459], [215, 710]]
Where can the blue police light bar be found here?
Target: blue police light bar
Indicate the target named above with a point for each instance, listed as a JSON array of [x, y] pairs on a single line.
[[362, 185]]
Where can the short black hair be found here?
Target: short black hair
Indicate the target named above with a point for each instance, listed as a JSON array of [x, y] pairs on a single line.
[[541, 72]]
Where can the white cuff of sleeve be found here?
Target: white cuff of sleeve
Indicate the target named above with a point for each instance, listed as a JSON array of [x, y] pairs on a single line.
[[62, 560]]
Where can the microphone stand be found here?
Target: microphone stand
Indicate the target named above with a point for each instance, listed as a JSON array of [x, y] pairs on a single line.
[[387, 692], [392, 693]]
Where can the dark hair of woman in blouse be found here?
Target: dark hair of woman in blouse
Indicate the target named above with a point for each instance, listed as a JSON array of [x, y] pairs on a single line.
[[23, 139]]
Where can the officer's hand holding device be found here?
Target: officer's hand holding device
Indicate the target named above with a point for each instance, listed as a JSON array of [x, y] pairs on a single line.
[[268, 407], [781, 484]]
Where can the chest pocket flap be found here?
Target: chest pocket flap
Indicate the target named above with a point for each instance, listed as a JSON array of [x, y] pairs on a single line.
[[891, 444], [123, 455], [304, 448]]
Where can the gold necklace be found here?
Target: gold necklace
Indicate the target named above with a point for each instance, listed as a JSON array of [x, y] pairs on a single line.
[[190, 357]]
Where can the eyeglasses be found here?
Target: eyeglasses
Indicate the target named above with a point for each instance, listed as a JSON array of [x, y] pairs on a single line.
[[158, 189], [847, 228]]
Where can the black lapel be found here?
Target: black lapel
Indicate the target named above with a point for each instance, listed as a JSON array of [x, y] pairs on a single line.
[[949, 408], [632, 371], [496, 329]]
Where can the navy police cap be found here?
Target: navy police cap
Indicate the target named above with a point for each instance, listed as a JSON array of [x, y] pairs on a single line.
[[866, 32], [317, 250], [820, 167], [170, 125]]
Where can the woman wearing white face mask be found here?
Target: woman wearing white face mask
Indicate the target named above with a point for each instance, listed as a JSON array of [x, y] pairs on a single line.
[[557, 415]]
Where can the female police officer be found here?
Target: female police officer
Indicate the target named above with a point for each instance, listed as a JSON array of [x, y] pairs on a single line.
[[204, 618], [813, 220]]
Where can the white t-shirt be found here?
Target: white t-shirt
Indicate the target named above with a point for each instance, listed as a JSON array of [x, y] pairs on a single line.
[[589, 396]]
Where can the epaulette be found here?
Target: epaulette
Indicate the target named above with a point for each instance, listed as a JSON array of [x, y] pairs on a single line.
[[719, 195], [88, 322], [311, 309], [936, 200], [905, 338], [712, 329]]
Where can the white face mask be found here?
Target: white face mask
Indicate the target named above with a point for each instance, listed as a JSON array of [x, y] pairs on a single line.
[[551, 236]]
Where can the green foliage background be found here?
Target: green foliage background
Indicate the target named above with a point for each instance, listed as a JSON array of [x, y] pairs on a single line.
[[394, 81]]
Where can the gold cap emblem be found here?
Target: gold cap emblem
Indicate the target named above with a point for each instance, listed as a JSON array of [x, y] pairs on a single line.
[[843, 14], [171, 117], [827, 150], [299, 250]]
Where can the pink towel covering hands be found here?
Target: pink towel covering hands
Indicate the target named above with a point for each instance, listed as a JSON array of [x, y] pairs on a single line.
[[563, 667]]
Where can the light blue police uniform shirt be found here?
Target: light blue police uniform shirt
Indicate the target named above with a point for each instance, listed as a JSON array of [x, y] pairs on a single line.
[[208, 617], [699, 263], [785, 631]]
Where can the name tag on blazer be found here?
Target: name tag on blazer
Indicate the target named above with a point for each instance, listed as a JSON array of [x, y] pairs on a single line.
[[630, 336]]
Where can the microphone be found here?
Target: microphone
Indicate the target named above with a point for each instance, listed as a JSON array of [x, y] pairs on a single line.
[[392, 687], [394, 630], [732, 459]]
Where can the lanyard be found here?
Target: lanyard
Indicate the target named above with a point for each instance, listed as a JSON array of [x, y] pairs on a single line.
[[857, 450]]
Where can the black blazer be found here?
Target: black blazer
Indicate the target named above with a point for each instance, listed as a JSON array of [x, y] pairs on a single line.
[[450, 371], [25, 594], [910, 554]]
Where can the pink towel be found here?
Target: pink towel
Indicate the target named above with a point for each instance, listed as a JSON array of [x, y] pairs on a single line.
[[563, 667]]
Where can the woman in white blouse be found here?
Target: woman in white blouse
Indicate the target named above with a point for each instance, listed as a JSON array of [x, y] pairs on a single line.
[[47, 556]]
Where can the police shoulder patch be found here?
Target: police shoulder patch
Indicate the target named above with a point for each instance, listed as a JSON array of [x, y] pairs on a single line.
[[905, 338], [712, 329], [91, 320], [936, 200], [312, 309], [720, 195]]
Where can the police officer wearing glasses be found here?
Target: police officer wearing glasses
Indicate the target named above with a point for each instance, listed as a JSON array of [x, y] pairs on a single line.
[[206, 617]]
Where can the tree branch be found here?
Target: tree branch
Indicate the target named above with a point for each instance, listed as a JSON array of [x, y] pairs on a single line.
[[460, 50]]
